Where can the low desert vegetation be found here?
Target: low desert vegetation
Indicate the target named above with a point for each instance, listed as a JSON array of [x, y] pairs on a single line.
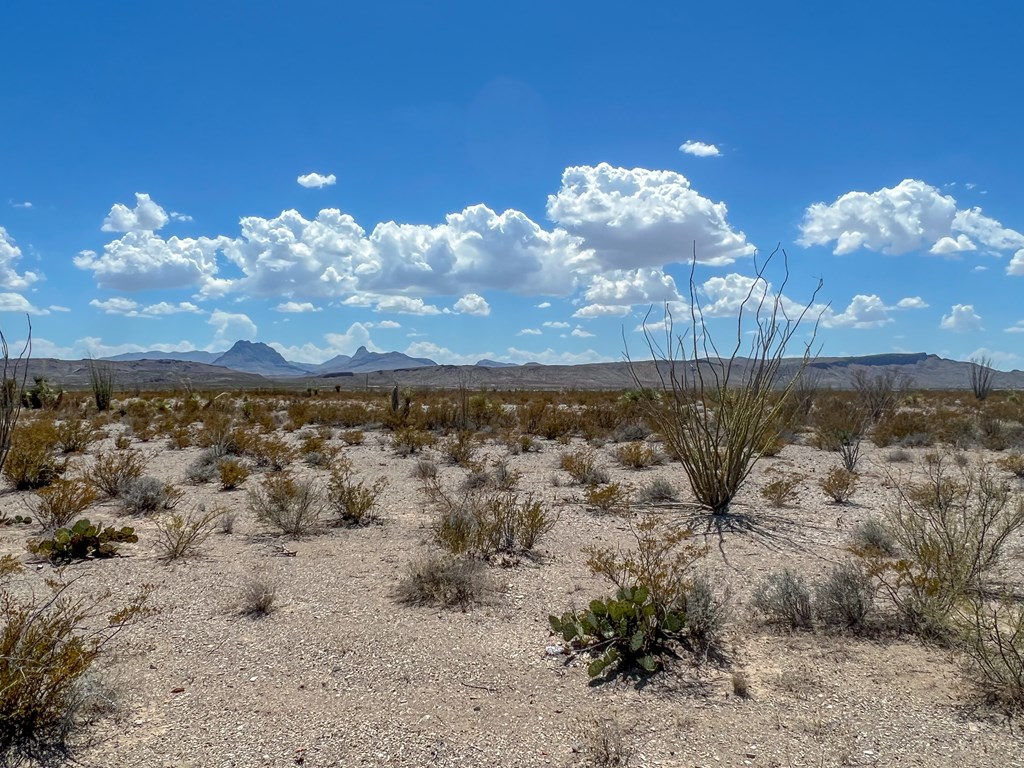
[[293, 506]]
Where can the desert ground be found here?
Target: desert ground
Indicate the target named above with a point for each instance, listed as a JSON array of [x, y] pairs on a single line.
[[340, 673]]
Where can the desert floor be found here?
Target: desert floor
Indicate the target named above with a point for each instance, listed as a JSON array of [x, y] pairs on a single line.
[[340, 674]]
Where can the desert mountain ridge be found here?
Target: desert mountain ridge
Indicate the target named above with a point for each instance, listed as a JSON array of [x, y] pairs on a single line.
[[260, 366]]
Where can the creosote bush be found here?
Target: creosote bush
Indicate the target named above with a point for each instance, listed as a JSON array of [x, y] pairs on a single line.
[[991, 637], [780, 490], [583, 468], [636, 455], [353, 501], [181, 534], [293, 506], [610, 498], [232, 473], [112, 471], [48, 647], [32, 461], [62, 501], [839, 484], [952, 530]]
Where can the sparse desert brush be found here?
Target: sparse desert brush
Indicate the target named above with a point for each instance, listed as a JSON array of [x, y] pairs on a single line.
[[845, 597], [583, 468], [74, 435], [609, 498], [62, 501], [485, 523], [181, 534], [991, 635], [353, 437], [113, 470], [839, 484], [219, 433], [952, 530], [270, 452], [503, 477], [459, 447], [836, 419], [784, 599], [203, 468], [443, 581], [48, 647], [232, 473], [520, 443], [780, 490], [353, 501], [636, 627], [879, 394], [179, 438], [636, 455], [293, 506], [32, 461], [557, 422], [605, 745], [906, 427], [145, 495], [1013, 463], [409, 440], [424, 468], [872, 537]]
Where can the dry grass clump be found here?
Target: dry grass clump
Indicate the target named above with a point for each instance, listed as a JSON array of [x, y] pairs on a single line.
[[1013, 463], [424, 468], [257, 597], [872, 536], [606, 746], [443, 581], [293, 506], [62, 501], [784, 599]]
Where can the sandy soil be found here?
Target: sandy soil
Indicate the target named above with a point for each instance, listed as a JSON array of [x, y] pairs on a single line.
[[341, 675]]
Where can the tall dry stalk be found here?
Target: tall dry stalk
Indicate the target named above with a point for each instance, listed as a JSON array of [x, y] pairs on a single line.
[[11, 388], [718, 412]]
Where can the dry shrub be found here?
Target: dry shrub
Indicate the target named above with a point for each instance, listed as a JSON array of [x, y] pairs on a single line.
[[408, 440], [845, 598], [352, 437], [606, 746], [952, 530], [145, 495], [1014, 464], [48, 647], [459, 448], [270, 452], [608, 498], [783, 599], [444, 581], [836, 419], [62, 501], [839, 484], [353, 501], [74, 435], [32, 462], [424, 468], [291, 505], [780, 490], [872, 536], [181, 534], [992, 639], [232, 473], [908, 428], [111, 472], [659, 490], [636, 455], [257, 597], [582, 467]]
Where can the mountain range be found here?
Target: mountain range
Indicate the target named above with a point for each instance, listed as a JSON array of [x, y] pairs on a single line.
[[262, 359]]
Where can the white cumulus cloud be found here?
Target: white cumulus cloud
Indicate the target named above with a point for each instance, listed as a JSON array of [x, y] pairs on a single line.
[[699, 149], [317, 180], [146, 216], [230, 327], [641, 218], [15, 302], [10, 254], [144, 260], [296, 307], [406, 305], [530, 332], [961, 319], [118, 305], [473, 304]]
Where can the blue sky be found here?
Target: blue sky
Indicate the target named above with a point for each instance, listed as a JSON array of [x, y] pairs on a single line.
[[518, 181]]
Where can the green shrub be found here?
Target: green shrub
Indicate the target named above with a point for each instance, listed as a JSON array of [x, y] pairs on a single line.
[[81, 541], [74, 435]]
